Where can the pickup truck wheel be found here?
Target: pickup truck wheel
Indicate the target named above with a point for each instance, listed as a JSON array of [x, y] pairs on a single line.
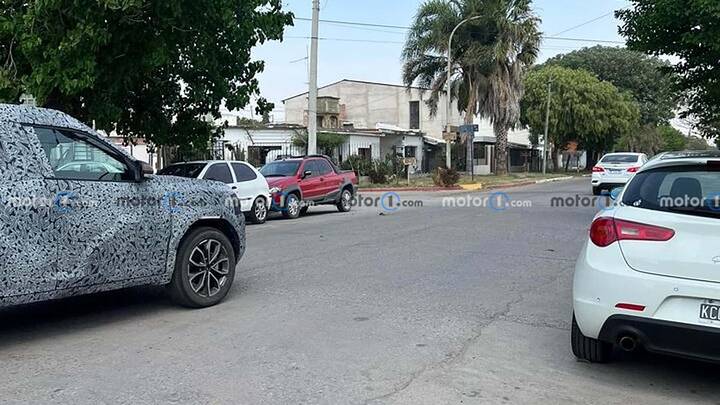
[[345, 202], [204, 269], [258, 212], [292, 207]]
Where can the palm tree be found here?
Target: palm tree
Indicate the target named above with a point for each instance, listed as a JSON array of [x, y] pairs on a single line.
[[489, 54]]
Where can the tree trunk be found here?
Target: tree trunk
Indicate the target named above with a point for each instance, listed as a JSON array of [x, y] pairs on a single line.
[[501, 150], [469, 118]]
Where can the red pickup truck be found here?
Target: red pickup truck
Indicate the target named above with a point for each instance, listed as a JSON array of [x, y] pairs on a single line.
[[298, 183]]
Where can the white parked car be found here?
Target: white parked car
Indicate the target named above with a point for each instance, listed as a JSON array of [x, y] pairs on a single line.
[[615, 169], [649, 275], [247, 182]]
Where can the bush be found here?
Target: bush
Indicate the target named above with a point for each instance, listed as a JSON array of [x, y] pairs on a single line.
[[444, 177], [379, 172], [358, 164]]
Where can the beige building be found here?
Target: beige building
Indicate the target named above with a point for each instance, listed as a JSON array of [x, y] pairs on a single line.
[[366, 105]]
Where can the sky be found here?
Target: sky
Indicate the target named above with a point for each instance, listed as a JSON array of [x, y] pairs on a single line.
[[373, 54]]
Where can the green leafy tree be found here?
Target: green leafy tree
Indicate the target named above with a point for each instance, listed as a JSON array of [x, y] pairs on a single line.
[[646, 139], [673, 140], [583, 109], [697, 143], [647, 78], [490, 55], [689, 31], [148, 68]]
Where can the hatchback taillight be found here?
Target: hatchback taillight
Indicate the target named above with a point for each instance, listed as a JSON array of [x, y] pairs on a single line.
[[605, 231], [598, 169]]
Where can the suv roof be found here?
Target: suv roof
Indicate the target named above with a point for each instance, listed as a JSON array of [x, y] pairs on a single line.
[[688, 157]]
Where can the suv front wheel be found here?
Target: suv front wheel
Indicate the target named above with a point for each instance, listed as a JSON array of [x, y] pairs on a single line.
[[344, 204], [204, 269]]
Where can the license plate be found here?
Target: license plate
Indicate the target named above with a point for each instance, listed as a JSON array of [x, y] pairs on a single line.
[[614, 170], [710, 313]]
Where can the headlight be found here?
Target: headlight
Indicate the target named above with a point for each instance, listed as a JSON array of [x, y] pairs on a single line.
[[275, 190], [236, 204]]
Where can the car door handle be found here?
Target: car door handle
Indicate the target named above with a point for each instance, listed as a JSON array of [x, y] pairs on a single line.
[[234, 187]]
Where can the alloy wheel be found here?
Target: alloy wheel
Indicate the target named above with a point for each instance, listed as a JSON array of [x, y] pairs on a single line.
[[346, 197], [260, 209], [293, 206], [208, 268]]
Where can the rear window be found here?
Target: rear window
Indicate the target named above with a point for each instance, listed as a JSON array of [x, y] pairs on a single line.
[[190, 170], [620, 159], [692, 190]]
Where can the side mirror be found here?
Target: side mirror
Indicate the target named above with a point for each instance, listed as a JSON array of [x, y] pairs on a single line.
[[141, 169], [615, 193], [306, 173], [146, 168]]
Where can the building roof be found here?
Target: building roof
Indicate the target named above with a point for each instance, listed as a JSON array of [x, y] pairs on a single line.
[[357, 81]]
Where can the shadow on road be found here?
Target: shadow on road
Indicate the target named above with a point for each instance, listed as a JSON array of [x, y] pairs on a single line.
[[50, 318]]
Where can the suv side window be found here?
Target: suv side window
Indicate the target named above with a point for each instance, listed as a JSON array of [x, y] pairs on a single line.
[[72, 157], [219, 172], [243, 172], [323, 167], [312, 166]]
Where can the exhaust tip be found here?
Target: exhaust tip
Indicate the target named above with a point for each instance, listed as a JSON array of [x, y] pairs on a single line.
[[628, 343]]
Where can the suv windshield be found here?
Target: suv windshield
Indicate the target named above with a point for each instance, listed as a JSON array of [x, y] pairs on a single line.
[[620, 159], [191, 170], [280, 169], [692, 190]]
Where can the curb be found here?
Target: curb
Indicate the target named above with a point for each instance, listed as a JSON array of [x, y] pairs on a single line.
[[400, 189], [554, 179], [463, 189]]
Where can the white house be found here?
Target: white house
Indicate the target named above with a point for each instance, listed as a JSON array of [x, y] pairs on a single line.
[[266, 143]]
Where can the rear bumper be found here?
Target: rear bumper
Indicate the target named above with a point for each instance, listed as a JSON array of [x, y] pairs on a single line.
[[659, 336]]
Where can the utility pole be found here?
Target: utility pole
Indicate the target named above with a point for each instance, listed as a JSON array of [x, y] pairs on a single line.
[[447, 88], [313, 93], [547, 124]]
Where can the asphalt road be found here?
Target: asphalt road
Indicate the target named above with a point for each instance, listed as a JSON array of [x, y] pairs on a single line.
[[423, 305]]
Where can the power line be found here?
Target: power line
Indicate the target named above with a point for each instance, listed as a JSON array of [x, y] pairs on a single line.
[[400, 42], [585, 23], [362, 24]]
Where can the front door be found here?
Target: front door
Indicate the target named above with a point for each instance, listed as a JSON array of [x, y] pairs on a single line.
[[311, 185], [27, 252], [108, 227]]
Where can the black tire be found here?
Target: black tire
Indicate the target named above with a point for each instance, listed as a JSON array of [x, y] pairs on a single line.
[[344, 204], [259, 211], [183, 288], [585, 348], [292, 207], [304, 210], [597, 190]]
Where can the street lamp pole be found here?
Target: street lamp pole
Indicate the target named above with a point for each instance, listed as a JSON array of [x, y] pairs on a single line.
[[447, 87], [547, 124]]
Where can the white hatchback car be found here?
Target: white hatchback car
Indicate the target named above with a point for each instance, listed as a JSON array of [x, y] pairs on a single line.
[[649, 275], [615, 170], [247, 182]]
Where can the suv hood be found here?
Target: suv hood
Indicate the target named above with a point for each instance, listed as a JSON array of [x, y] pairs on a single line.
[[280, 182]]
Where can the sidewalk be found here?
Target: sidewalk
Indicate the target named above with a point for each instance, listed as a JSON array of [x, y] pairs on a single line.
[[485, 183]]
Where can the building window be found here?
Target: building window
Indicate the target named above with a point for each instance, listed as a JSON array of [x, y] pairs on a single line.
[[365, 153], [414, 115], [411, 151]]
